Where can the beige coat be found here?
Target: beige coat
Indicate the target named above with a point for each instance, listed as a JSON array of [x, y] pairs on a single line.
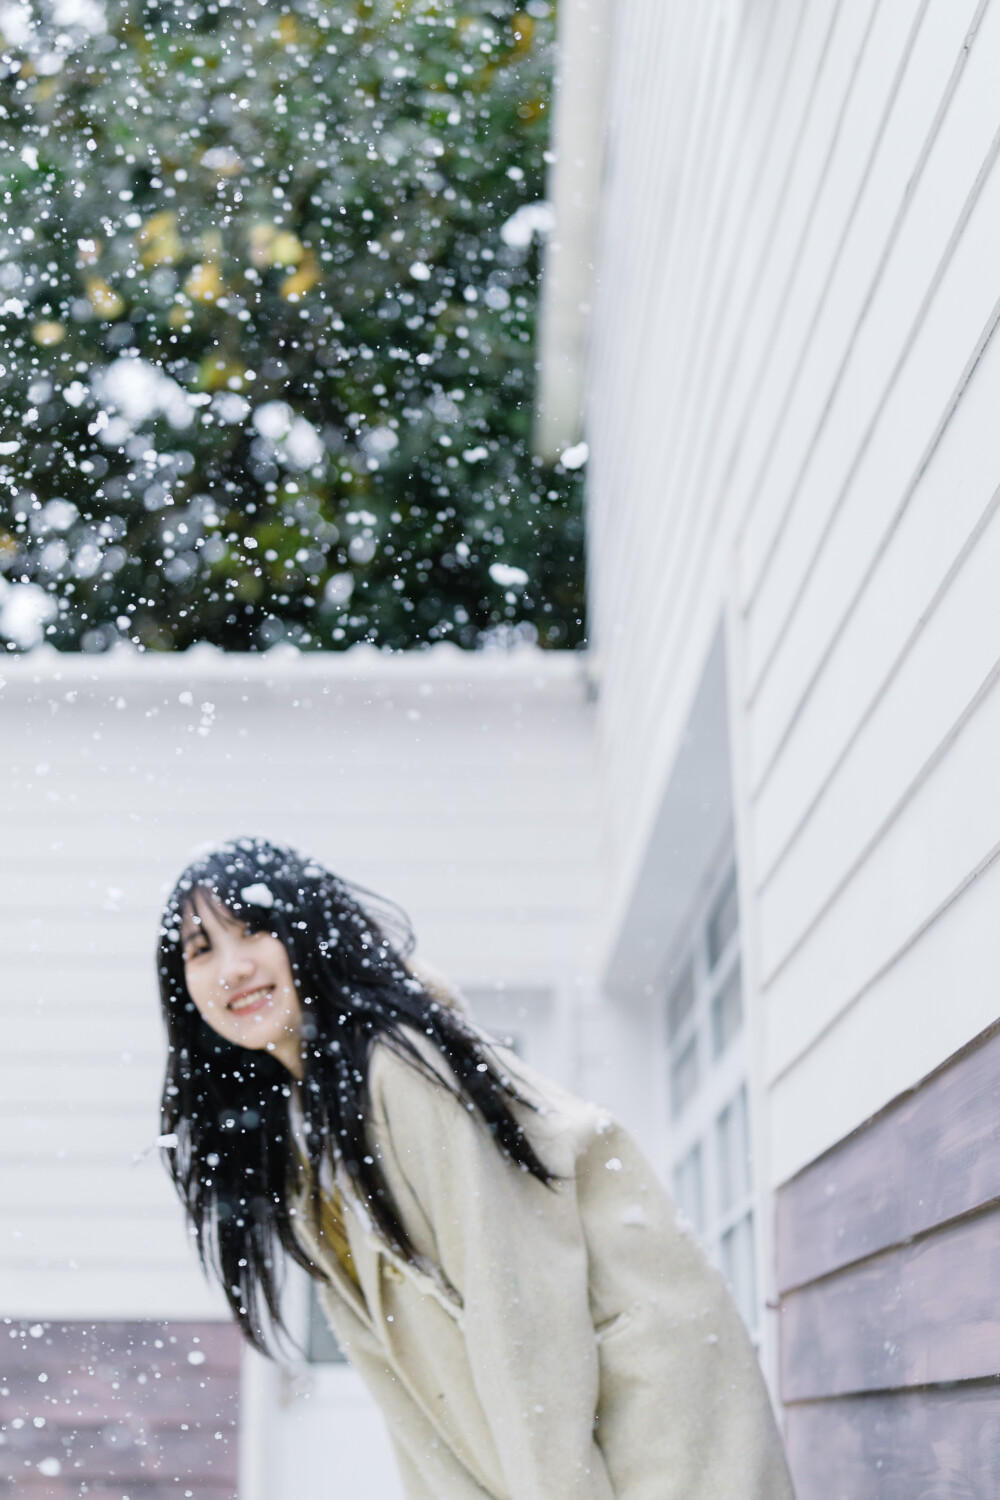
[[555, 1344]]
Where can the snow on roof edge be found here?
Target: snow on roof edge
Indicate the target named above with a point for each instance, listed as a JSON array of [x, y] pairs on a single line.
[[284, 663]]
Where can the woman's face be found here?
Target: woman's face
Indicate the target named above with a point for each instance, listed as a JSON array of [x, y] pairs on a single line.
[[241, 982]]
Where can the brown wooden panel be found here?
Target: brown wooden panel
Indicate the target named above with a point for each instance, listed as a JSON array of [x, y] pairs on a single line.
[[923, 1314], [920, 1445], [931, 1156], [145, 1409]]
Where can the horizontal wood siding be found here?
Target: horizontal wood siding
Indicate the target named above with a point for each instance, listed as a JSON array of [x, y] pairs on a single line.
[[931, 1158], [147, 1409], [925, 1445], [889, 1260], [923, 1314]]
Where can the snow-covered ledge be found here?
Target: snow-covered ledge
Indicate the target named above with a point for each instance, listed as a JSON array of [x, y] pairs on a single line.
[[284, 663]]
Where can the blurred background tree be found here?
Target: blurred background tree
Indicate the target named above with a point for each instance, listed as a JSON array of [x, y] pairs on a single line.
[[268, 280]]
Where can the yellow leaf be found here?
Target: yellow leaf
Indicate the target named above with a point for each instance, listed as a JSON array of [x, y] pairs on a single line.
[[288, 30], [301, 280], [103, 298], [158, 241], [48, 333], [523, 28], [205, 283], [286, 249], [215, 374], [177, 316], [261, 237], [271, 246]]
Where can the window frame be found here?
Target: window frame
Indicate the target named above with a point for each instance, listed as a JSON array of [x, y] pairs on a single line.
[[723, 1079]]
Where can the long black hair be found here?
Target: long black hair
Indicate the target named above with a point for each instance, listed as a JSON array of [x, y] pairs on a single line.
[[235, 1164]]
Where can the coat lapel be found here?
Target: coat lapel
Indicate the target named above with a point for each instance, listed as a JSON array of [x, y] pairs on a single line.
[[367, 1263], [325, 1257]]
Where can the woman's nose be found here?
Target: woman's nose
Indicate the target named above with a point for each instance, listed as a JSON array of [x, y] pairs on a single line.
[[237, 963]]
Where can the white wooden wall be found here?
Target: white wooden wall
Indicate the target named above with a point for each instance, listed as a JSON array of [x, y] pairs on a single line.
[[792, 414], [462, 787]]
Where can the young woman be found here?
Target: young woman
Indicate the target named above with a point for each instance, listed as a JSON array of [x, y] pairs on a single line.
[[496, 1257]]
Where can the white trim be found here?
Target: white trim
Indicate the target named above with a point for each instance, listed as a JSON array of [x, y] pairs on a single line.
[[758, 1098], [722, 1077], [284, 664], [574, 190], [694, 814]]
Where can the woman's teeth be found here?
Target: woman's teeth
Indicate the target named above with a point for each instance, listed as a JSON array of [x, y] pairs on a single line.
[[245, 1002]]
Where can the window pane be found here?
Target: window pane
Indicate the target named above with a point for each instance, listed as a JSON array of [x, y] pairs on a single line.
[[724, 920], [680, 1003], [689, 1192], [321, 1346], [684, 1078], [727, 1012], [736, 1254], [732, 1142]]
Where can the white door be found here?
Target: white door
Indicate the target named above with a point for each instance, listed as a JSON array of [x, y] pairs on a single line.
[[312, 1431]]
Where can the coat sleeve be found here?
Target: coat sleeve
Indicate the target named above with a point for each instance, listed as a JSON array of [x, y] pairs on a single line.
[[515, 1252]]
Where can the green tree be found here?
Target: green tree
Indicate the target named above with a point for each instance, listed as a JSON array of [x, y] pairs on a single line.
[[268, 290]]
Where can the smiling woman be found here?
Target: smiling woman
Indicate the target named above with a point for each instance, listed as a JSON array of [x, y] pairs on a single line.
[[495, 1257], [241, 980]]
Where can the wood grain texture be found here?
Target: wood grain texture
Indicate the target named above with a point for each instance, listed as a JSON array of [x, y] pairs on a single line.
[[920, 1315], [924, 1445], [150, 1409], [929, 1158]]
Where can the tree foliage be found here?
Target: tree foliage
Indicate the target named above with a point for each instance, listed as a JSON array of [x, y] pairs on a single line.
[[268, 284]]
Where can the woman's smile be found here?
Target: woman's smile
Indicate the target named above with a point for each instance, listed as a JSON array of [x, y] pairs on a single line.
[[248, 1001], [241, 981]]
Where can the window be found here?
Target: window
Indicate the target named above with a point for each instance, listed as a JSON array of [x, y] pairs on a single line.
[[684, 1078], [681, 1002], [724, 921], [732, 1139], [727, 1012], [321, 1344], [711, 1161], [736, 1262], [689, 1193]]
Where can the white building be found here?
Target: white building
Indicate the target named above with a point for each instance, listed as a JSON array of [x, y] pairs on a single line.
[[781, 248], [738, 883]]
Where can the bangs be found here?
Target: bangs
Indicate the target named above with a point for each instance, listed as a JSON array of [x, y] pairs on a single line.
[[232, 911], [247, 878], [265, 885]]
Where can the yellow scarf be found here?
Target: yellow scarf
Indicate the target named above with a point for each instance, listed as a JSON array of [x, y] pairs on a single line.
[[331, 1223]]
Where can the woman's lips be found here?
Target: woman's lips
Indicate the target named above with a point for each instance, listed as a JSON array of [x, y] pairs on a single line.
[[250, 1001]]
